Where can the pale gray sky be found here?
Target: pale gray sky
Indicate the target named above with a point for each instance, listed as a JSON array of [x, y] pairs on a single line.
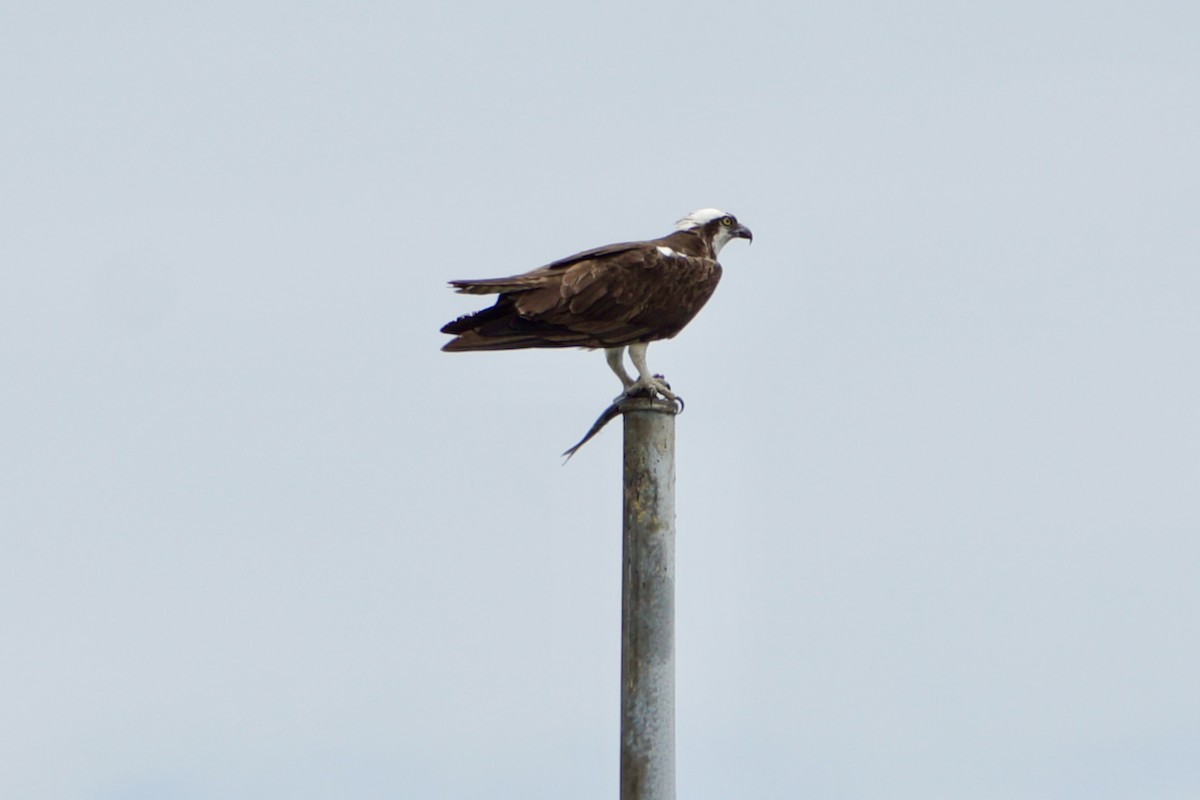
[[939, 474]]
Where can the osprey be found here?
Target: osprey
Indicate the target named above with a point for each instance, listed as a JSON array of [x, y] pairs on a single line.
[[614, 297]]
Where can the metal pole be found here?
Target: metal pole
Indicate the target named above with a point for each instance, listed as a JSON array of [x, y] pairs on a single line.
[[648, 602]]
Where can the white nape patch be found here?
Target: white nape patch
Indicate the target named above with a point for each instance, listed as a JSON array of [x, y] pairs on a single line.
[[698, 218], [666, 251]]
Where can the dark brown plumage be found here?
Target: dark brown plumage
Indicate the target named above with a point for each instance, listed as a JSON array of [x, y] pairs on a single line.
[[606, 297], [609, 297]]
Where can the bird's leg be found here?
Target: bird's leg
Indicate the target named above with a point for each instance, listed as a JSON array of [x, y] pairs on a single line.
[[646, 382], [615, 356]]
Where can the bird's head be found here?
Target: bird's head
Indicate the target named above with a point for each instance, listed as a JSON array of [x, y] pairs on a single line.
[[715, 224]]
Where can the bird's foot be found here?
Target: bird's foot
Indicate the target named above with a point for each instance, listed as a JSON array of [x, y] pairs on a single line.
[[655, 386]]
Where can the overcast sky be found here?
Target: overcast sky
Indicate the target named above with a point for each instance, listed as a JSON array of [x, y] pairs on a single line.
[[939, 473]]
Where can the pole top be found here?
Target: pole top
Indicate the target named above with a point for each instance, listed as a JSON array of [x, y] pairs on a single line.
[[654, 405]]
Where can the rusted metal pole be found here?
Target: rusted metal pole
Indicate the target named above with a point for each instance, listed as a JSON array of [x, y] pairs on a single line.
[[648, 602]]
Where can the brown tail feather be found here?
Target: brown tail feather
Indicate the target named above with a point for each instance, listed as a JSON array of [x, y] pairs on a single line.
[[473, 341], [515, 283], [500, 327], [472, 321]]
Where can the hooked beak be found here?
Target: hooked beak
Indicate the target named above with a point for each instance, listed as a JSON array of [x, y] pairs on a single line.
[[744, 233]]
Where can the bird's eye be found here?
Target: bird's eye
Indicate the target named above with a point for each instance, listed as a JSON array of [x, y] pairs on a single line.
[[727, 221]]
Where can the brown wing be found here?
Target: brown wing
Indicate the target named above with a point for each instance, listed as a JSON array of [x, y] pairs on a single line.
[[606, 297], [534, 277]]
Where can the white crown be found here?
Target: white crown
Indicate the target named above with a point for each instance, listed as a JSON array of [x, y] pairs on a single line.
[[698, 219]]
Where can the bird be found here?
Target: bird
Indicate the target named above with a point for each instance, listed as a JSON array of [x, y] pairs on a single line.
[[619, 298]]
